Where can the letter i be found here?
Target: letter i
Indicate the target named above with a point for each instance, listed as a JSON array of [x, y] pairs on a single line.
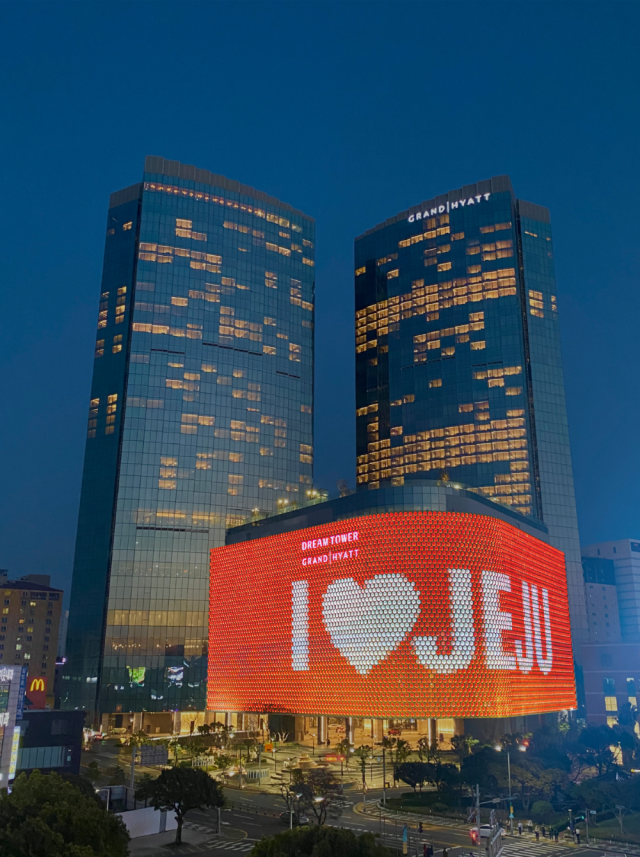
[[300, 625]]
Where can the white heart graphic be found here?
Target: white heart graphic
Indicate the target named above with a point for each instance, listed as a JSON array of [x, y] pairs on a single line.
[[367, 623]]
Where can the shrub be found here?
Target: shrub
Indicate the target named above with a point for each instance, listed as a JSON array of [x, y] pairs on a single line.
[[542, 812]]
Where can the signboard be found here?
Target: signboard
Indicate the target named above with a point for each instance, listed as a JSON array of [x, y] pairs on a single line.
[[153, 754], [414, 614], [37, 692], [15, 746], [21, 692]]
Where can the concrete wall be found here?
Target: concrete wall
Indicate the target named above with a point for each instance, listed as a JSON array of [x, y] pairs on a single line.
[[144, 822]]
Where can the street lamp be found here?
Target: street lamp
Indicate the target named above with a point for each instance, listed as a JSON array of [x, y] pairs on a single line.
[[522, 748], [298, 796]]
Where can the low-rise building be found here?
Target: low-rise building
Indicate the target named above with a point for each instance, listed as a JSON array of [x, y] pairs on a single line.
[[50, 741], [29, 625]]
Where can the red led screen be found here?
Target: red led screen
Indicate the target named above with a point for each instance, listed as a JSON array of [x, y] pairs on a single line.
[[414, 614]]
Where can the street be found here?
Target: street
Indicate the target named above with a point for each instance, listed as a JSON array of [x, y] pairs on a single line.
[[256, 814]]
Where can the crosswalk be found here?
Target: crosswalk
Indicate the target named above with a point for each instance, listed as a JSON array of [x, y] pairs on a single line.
[[218, 842], [529, 848], [243, 846]]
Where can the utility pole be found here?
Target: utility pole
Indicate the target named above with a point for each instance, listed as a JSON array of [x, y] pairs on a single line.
[[586, 820], [133, 768], [384, 777], [510, 805], [478, 816]]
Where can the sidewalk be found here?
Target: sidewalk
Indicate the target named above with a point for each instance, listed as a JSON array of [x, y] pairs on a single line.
[[192, 834]]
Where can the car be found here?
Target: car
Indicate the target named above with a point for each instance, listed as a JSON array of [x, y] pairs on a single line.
[[298, 820], [485, 832]]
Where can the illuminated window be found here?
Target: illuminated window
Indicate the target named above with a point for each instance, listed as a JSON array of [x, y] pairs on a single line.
[[99, 348], [305, 409], [127, 226], [295, 352], [513, 391], [610, 703], [435, 382], [480, 345], [465, 409]]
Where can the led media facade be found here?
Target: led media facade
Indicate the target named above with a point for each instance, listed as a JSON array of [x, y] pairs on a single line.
[[415, 614]]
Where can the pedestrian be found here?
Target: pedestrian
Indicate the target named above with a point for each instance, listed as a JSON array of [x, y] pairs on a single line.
[[519, 828], [544, 831], [328, 742], [445, 853], [425, 853], [537, 834], [578, 835], [556, 836]]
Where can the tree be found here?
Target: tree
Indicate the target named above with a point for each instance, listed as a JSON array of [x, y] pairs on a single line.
[[363, 753], [594, 747], [180, 790], [462, 744], [344, 748], [204, 729], [487, 768], [195, 746], [542, 811], [317, 841], [428, 751], [116, 775], [45, 816], [415, 774], [139, 739], [320, 791], [402, 753], [93, 772]]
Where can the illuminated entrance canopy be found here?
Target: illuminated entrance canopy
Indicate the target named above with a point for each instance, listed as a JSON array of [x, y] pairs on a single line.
[[414, 614]]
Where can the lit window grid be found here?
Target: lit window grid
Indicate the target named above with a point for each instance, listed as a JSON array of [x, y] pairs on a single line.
[[255, 666], [477, 286], [165, 524]]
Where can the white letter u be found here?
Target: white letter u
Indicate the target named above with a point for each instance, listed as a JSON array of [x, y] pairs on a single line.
[[543, 662]]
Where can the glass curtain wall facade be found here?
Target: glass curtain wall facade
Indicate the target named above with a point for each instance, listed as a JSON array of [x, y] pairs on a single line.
[[200, 416], [458, 364]]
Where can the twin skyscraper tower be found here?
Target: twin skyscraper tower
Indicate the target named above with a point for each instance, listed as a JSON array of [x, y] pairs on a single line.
[[201, 406]]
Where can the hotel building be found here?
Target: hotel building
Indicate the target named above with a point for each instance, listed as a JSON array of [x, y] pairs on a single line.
[[200, 415]]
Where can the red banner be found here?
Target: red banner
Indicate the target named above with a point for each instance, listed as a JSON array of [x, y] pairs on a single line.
[[414, 614]]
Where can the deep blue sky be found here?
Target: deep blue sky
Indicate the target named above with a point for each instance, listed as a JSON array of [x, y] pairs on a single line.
[[351, 112]]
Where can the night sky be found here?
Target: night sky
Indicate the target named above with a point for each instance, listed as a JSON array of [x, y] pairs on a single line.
[[351, 112]]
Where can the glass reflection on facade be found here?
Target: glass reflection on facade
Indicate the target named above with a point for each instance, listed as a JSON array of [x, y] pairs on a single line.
[[458, 365], [200, 415]]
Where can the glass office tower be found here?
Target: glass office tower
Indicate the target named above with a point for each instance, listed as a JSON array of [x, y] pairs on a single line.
[[458, 366], [200, 416]]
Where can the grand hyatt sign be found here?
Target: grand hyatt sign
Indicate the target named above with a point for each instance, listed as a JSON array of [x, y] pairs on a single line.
[[448, 206], [415, 614]]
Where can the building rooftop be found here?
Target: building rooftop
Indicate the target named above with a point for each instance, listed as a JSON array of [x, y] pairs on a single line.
[[188, 172], [416, 495], [497, 184]]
